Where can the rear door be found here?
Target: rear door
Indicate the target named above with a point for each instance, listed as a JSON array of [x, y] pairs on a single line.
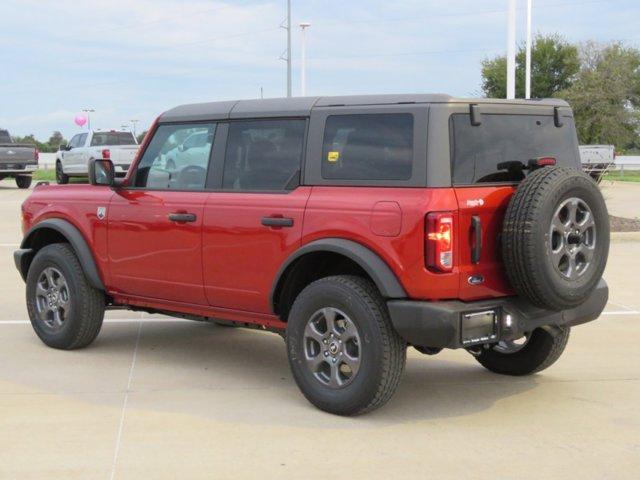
[[155, 226], [254, 221], [484, 184]]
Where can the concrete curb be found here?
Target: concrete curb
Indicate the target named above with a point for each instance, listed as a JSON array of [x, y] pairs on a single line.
[[625, 237]]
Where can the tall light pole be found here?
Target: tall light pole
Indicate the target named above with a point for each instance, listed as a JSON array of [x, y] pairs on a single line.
[[286, 55], [303, 62], [288, 48], [527, 75], [133, 124], [88, 111], [511, 50]]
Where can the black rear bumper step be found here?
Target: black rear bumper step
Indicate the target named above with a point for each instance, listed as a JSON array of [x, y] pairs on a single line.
[[440, 324]]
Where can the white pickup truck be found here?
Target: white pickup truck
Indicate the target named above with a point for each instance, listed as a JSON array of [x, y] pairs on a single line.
[[73, 159]]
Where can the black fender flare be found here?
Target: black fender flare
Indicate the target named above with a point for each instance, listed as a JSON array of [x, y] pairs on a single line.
[[75, 239], [381, 274]]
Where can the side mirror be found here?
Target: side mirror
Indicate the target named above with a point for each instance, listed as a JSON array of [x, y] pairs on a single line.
[[64, 148], [101, 172], [182, 147]]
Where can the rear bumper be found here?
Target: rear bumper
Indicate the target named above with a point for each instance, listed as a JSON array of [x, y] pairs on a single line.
[[19, 169], [440, 324]]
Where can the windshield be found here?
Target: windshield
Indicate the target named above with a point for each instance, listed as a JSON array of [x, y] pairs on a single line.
[[485, 153], [112, 138]]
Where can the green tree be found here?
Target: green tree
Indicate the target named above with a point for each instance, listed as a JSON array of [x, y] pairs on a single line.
[[554, 65], [606, 95], [55, 140]]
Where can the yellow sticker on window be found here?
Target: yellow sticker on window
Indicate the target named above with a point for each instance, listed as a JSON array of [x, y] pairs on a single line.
[[333, 156]]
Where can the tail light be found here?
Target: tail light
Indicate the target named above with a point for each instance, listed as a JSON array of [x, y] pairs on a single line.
[[36, 155], [106, 154], [439, 241]]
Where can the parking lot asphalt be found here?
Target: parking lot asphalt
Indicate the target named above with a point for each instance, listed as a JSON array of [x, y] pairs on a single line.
[[160, 398]]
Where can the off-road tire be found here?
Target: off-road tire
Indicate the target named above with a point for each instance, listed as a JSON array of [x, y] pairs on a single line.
[[544, 347], [86, 313], [526, 237], [61, 178], [23, 181], [383, 351]]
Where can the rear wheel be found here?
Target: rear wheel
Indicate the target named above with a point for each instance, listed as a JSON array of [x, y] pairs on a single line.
[[344, 353], [23, 181], [66, 312], [61, 178], [533, 353]]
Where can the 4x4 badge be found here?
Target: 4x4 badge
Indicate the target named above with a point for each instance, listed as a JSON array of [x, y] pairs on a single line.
[[102, 212]]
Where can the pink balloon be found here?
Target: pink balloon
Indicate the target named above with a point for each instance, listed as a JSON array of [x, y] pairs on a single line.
[[80, 120]]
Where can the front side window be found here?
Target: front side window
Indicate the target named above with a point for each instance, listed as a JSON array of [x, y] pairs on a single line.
[[495, 150], [368, 147], [174, 160], [263, 155], [74, 141], [80, 141]]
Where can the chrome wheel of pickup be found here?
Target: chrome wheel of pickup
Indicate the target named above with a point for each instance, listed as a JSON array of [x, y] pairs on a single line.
[[332, 347], [53, 299], [573, 238]]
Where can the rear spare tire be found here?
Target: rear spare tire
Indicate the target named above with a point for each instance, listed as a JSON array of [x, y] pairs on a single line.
[[555, 238]]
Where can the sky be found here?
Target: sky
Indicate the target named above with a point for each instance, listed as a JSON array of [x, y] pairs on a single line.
[[135, 59]]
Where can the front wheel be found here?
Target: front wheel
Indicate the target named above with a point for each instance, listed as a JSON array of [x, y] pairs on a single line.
[[23, 181], [61, 178], [536, 351], [66, 312], [343, 351]]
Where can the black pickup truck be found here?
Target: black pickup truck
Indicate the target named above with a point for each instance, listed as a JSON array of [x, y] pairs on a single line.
[[17, 160]]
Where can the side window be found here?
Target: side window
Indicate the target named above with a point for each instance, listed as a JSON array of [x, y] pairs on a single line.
[[263, 155], [81, 140], [177, 158], [74, 141], [368, 147]]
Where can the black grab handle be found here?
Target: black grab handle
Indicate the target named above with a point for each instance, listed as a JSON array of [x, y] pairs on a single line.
[[476, 226]]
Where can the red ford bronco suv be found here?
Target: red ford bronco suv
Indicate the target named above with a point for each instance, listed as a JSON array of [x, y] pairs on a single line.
[[353, 226]]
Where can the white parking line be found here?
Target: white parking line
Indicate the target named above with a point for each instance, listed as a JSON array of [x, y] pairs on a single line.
[[124, 403], [182, 320]]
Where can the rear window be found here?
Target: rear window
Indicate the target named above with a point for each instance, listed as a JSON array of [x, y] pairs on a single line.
[[4, 137], [112, 138], [478, 151], [368, 147]]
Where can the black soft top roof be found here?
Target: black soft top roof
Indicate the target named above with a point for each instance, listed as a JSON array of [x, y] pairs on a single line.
[[302, 106]]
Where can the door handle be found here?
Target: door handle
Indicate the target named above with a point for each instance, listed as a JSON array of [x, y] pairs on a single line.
[[476, 227], [182, 217], [277, 222]]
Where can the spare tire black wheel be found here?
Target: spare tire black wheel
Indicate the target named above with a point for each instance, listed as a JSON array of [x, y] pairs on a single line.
[[555, 237]]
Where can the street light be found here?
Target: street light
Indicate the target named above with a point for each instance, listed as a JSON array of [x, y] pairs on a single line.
[[303, 63], [511, 50], [88, 111], [527, 75], [133, 123]]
